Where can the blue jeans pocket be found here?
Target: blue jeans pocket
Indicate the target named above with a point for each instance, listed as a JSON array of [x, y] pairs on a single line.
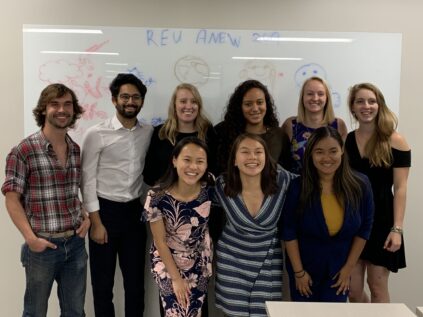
[[24, 254]]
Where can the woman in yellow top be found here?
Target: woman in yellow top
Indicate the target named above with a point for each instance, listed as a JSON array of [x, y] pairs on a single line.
[[326, 221]]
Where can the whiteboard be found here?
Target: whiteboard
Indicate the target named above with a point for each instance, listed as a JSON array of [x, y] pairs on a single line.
[[216, 61]]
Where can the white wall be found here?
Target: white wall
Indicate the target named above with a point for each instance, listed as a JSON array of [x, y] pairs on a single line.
[[319, 15]]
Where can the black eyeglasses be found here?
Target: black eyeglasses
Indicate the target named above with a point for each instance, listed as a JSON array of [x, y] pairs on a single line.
[[126, 97]]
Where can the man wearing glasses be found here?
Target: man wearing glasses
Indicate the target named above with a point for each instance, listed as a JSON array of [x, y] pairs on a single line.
[[113, 154]]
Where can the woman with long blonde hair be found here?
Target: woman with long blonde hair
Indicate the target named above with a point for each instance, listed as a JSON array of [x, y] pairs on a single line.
[[381, 153], [186, 118], [315, 110]]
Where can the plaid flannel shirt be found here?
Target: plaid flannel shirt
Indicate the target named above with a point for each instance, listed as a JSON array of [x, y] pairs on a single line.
[[49, 192]]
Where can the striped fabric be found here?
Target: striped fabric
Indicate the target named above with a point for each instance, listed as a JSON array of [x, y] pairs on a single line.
[[249, 256]]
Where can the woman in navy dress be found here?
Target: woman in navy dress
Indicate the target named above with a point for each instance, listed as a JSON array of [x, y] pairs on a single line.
[[315, 110], [326, 221], [378, 151]]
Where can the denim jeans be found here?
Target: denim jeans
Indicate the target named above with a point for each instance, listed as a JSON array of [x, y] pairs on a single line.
[[67, 265]]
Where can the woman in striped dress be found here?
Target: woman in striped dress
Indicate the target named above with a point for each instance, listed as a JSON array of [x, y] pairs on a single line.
[[249, 256]]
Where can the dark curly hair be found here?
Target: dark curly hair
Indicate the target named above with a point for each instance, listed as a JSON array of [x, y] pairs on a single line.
[[123, 79], [49, 93], [234, 122]]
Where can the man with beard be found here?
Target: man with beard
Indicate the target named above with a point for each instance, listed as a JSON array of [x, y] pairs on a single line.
[[113, 155], [41, 187]]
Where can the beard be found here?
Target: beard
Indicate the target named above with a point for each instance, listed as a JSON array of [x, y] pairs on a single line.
[[128, 111], [58, 124]]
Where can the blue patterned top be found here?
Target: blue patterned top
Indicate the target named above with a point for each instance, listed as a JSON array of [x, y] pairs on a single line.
[[300, 135]]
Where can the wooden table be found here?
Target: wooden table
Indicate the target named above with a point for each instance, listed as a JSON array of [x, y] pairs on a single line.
[[295, 309]]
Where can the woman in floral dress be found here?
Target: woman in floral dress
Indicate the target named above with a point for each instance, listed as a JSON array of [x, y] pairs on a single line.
[[178, 211]]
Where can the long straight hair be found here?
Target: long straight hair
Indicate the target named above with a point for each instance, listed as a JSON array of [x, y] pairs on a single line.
[[169, 130], [378, 148], [328, 113], [268, 175], [347, 185]]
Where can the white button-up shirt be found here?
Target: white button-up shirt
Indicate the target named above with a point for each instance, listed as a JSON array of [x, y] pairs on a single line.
[[113, 161]]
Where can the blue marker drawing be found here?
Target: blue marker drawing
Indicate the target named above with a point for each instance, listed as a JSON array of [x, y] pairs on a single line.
[[150, 38], [155, 121], [209, 37], [310, 70], [307, 71], [177, 37], [336, 99], [163, 37], [148, 81]]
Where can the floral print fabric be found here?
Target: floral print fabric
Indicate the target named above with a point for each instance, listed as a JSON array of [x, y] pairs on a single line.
[[188, 239], [300, 135]]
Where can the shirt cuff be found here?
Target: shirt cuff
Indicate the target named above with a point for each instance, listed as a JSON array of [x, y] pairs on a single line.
[[92, 206]]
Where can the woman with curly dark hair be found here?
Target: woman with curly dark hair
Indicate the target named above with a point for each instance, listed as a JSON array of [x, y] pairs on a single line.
[[250, 109]]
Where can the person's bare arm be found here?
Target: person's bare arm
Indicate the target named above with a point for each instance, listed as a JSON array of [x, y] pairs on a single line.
[[98, 232], [18, 216], [180, 286]]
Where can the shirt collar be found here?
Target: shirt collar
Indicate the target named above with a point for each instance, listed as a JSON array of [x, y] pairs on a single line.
[[46, 143], [117, 125], [42, 139]]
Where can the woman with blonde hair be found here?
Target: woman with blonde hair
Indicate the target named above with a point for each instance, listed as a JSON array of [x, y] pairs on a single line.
[[315, 110], [186, 118], [378, 151]]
